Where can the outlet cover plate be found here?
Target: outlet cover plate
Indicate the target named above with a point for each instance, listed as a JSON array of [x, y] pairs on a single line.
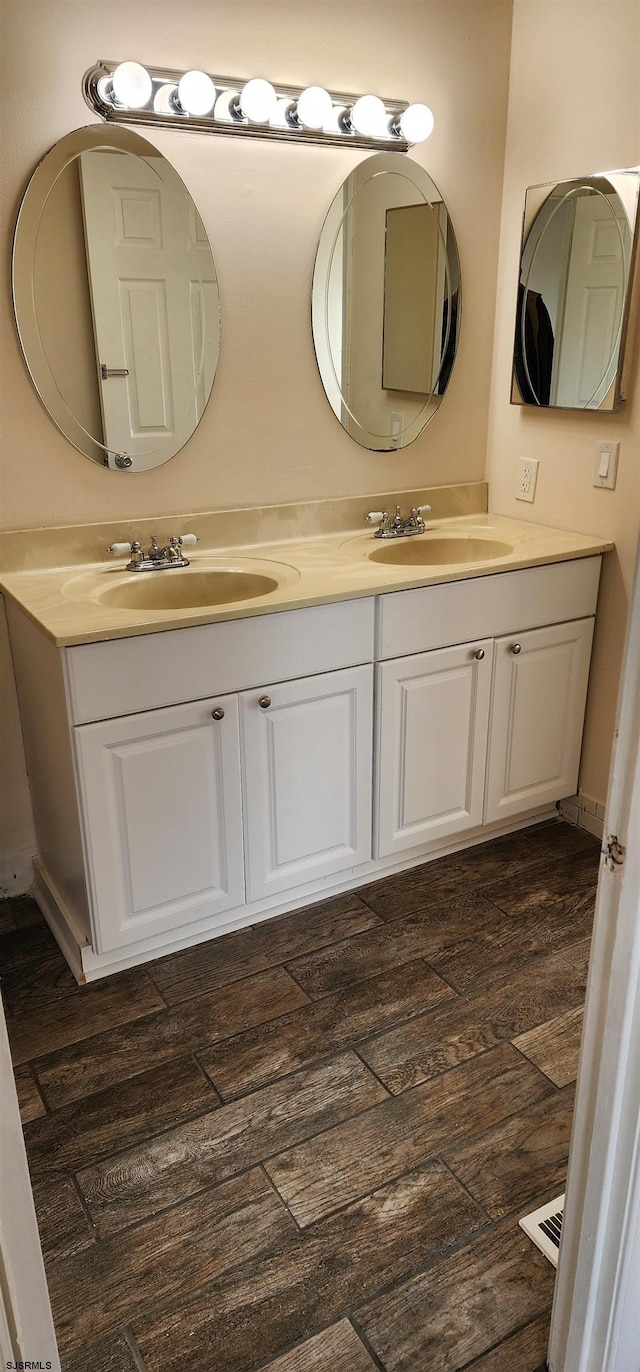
[[527, 478], [606, 467]]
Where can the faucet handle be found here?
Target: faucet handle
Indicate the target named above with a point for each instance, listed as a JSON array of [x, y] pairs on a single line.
[[119, 549], [188, 538], [423, 509], [376, 516]]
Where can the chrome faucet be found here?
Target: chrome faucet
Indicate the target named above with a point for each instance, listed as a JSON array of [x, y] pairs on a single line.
[[398, 527], [157, 559]]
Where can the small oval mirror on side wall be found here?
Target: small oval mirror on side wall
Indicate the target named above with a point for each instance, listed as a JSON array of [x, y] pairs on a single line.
[[386, 302], [116, 298], [574, 290]]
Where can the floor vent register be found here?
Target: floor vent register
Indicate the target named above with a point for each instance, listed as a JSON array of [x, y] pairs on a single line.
[[544, 1226]]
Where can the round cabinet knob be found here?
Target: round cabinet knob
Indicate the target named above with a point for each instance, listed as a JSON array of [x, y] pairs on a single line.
[[218, 713], [264, 702], [516, 648], [479, 654]]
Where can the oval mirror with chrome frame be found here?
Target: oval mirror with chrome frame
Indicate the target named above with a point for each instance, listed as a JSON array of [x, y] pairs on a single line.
[[116, 298], [386, 302], [574, 291]]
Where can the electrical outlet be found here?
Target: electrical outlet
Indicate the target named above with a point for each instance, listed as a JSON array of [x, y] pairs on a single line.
[[527, 478]]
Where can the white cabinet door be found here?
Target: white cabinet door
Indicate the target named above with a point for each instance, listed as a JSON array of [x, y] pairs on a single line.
[[163, 819], [537, 715], [432, 743], [307, 778]]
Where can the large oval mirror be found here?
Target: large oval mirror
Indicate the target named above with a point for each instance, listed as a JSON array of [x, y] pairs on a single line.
[[386, 303], [573, 292], [116, 298]]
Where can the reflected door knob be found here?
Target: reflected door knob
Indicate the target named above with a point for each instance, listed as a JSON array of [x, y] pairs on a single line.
[[264, 702], [218, 713], [516, 648], [479, 654]]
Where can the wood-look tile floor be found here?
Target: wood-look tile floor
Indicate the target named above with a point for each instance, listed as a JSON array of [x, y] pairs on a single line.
[[306, 1145]]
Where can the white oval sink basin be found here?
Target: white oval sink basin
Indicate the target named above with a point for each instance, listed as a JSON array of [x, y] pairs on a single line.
[[426, 550], [185, 590]]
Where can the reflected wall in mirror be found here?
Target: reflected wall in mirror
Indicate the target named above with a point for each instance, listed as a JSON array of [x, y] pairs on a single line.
[[574, 291], [386, 302], [116, 298]]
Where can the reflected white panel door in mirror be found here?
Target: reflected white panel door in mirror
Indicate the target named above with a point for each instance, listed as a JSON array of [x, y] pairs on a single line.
[[432, 745], [116, 298], [593, 303], [577, 257], [151, 287], [161, 792], [539, 697], [307, 760]]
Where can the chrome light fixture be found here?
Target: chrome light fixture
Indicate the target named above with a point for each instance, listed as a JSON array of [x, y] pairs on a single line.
[[127, 92]]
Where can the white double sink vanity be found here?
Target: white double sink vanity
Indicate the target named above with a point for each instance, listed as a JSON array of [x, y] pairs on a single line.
[[286, 719]]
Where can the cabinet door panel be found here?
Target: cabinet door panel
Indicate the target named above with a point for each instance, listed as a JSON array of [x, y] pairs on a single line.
[[307, 773], [432, 738], [163, 823], [537, 717]]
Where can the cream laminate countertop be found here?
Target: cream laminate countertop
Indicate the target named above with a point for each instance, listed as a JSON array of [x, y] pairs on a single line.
[[68, 602]]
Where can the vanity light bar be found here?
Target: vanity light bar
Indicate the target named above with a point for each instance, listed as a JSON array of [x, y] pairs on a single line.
[[127, 92]]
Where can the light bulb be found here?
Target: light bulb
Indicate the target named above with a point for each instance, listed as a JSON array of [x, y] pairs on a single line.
[[416, 123], [369, 117], [196, 93], [131, 85], [313, 107], [258, 101]]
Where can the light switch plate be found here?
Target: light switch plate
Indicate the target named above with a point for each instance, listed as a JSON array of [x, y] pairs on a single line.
[[527, 478], [606, 466]]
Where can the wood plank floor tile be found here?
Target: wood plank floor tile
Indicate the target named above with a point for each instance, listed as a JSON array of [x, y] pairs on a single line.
[[452, 1033], [325, 1026], [82, 1011], [127, 1050], [555, 838], [554, 885], [514, 1161], [247, 951], [337, 1349], [422, 934], [548, 909], [25, 912], [335, 1168], [115, 1355], [26, 944], [45, 981], [257, 1311], [578, 955], [525, 1350], [123, 1115], [459, 1308], [427, 884], [64, 1227], [96, 1292], [29, 1099], [498, 858], [213, 1147], [554, 1047], [7, 925]]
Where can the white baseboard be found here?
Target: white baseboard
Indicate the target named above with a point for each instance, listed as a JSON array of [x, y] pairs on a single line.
[[584, 812], [16, 873]]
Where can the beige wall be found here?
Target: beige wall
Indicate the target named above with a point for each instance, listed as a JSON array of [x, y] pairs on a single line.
[[573, 108], [268, 434]]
